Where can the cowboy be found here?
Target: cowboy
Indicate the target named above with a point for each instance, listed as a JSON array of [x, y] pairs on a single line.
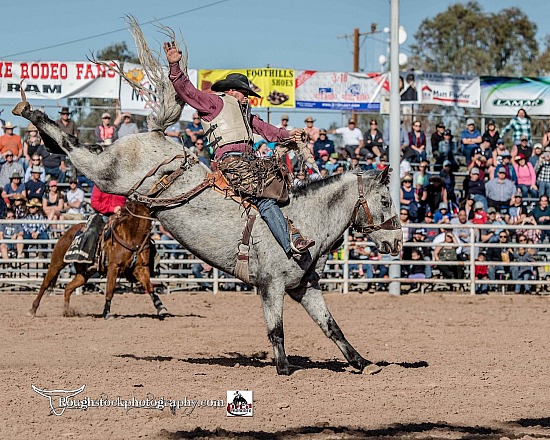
[[11, 142], [228, 126]]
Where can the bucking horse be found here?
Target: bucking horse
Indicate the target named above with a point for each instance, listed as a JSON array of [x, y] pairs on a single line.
[[151, 168]]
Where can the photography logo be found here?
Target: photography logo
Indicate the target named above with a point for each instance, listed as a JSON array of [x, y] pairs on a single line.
[[60, 395], [240, 404]]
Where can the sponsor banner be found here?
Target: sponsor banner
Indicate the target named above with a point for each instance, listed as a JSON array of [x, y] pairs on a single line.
[[505, 95], [275, 86], [132, 101], [57, 80], [339, 90], [449, 89]]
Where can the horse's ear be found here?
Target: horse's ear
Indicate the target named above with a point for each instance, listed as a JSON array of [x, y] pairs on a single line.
[[384, 176]]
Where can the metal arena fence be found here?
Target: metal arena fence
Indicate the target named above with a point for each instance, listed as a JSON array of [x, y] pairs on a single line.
[[178, 270]]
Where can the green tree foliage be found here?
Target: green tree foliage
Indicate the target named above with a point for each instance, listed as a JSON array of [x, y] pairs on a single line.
[[464, 39]]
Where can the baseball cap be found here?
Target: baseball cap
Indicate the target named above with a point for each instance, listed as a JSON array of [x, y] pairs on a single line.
[[351, 121], [491, 122], [440, 125], [53, 182], [105, 115], [73, 180], [421, 231], [322, 131], [442, 205], [523, 137], [477, 150], [491, 210], [501, 171], [369, 156], [407, 178], [285, 116], [478, 205], [323, 153], [474, 170], [470, 121], [521, 156], [447, 133], [547, 150], [537, 145], [506, 153], [334, 156], [446, 163], [500, 141]]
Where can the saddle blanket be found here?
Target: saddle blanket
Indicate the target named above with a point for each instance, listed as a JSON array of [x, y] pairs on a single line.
[[83, 247]]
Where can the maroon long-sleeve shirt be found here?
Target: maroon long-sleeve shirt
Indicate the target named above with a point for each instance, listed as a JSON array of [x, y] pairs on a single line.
[[209, 105]]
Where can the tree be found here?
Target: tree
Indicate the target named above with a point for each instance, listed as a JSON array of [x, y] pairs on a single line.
[[466, 40]]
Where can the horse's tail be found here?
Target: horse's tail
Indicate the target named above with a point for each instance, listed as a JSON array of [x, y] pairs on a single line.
[[161, 98]]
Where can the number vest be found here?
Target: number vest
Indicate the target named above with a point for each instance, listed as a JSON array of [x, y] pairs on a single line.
[[230, 126]]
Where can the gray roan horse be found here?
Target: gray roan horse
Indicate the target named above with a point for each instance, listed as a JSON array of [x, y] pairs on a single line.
[[211, 227]]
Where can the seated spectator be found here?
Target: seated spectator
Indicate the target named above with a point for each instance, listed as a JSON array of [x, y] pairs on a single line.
[[421, 178], [11, 142], [405, 168], [493, 218], [447, 151], [19, 205], [480, 216], [418, 236], [323, 143], [435, 194], [416, 149], [193, 131], [323, 159], [14, 187], [478, 161], [468, 205], [527, 178], [516, 211], [532, 235], [522, 147], [74, 202], [442, 214], [537, 154], [54, 164], [382, 162], [469, 139], [174, 133], [373, 141], [36, 161], [35, 187], [105, 131], [405, 223], [125, 125], [506, 165], [437, 136], [502, 255], [500, 190], [35, 231], [449, 180], [491, 135], [369, 165], [463, 233], [11, 231], [53, 204], [332, 164], [416, 271], [203, 153], [446, 252], [481, 273], [431, 233], [524, 272], [358, 250], [473, 185], [30, 145], [541, 213], [9, 168]]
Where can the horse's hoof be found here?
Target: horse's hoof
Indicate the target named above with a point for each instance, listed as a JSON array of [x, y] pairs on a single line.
[[107, 316], [32, 313], [372, 369], [18, 109], [162, 311]]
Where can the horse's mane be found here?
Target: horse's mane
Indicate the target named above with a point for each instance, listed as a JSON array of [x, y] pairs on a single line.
[[314, 185]]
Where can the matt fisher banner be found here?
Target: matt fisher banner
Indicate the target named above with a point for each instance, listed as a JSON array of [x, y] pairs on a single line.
[[57, 80], [275, 86]]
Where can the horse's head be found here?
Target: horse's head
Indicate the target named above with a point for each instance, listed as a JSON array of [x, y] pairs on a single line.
[[375, 214], [138, 208]]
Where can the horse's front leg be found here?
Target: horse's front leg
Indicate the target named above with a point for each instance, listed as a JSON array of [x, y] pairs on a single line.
[[311, 298], [143, 275], [112, 274], [272, 302]]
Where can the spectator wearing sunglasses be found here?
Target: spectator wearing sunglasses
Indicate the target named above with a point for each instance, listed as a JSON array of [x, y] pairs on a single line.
[[105, 133]]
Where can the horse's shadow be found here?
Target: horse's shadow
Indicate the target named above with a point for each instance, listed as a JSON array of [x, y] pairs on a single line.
[[141, 315], [261, 360]]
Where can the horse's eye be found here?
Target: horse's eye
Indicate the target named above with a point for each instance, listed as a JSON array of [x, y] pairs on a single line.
[[386, 203]]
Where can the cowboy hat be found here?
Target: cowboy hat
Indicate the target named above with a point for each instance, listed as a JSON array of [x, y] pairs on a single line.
[[19, 196], [65, 110], [34, 202], [236, 81], [9, 125], [32, 127], [15, 175]]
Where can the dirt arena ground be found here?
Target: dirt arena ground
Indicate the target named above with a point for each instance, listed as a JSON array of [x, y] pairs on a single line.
[[454, 367]]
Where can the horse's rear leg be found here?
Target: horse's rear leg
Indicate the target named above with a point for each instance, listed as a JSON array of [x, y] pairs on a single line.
[[143, 275], [312, 300], [272, 302]]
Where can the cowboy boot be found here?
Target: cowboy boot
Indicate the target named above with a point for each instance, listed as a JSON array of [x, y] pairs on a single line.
[[298, 243]]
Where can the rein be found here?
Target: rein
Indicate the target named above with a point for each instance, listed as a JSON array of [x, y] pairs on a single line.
[[136, 249], [390, 224]]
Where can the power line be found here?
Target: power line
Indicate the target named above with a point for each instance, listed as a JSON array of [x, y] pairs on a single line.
[[78, 40]]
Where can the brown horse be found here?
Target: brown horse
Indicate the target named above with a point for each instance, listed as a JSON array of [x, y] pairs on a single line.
[[126, 251]]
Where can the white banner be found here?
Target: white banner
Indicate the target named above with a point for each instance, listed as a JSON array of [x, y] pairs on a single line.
[[131, 101], [505, 96], [57, 80], [448, 89], [338, 90]]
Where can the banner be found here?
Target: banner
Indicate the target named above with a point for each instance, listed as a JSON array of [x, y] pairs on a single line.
[[448, 89], [339, 90], [275, 86], [131, 101], [505, 95], [57, 80]]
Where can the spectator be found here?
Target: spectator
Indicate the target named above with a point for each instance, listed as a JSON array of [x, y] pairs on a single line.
[[447, 151], [517, 211], [382, 162], [405, 221], [35, 187], [523, 272], [410, 93], [507, 166], [527, 179], [520, 125], [500, 190], [74, 205], [470, 139], [203, 152], [31, 144], [125, 125], [416, 270], [435, 139], [14, 187], [486, 151], [105, 131], [541, 213], [533, 235], [436, 194], [421, 178], [374, 141], [352, 138], [323, 160], [332, 163], [410, 199], [9, 168], [499, 254], [66, 124], [480, 216], [36, 161], [193, 131], [284, 122], [481, 273], [523, 148], [442, 214], [174, 132], [494, 219], [10, 142], [35, 231], [54, 164], [418, 236], [498, 152], [11, 231], [53, 203], [405, 168], [449, 181], [468, 205], [537, 154], [463, 233], [478, 161], [312, 131], [491, 135], [369, 165], [542, 170], [431, 232], [323, 143], [447, 252], [473, 185], [19, 206], [416, 150]]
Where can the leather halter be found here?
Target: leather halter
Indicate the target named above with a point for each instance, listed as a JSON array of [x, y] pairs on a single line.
[[391, 224]]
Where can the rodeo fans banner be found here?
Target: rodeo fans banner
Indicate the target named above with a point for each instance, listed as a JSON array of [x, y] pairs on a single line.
[[339, 90], [449, 89], [275, 86], [131, 100], [505, 96], [57, 80]]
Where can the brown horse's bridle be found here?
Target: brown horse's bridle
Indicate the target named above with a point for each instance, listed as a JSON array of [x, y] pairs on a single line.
[[391, 224]]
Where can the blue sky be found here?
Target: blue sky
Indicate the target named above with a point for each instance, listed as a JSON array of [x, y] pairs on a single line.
[[299, 34]]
